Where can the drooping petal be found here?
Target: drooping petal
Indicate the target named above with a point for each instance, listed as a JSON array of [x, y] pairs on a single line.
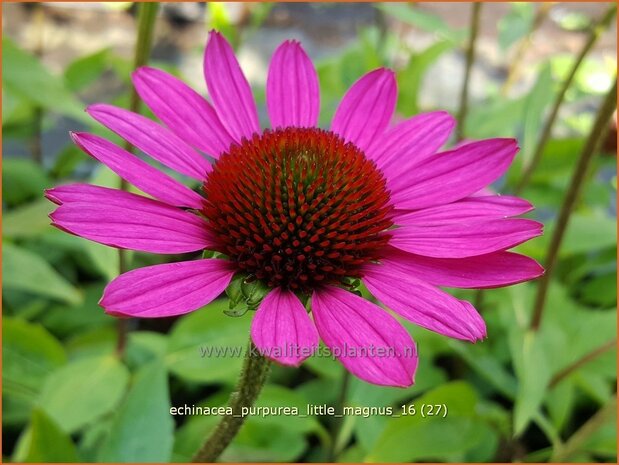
[[167, 290], [496, 269], [465, 210], [410, 142], [366, 109], [457, 240], [183, 110], [137, 172], [368, 341], [282, 330], [229, 89], [424, 304], [128, 221], [153, 139], [293, 94], [452, 175]]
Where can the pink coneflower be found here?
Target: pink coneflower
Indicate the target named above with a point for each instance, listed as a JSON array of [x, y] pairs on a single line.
[[303, 210]]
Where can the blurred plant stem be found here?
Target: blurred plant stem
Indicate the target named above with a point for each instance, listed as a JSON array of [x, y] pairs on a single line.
[[147, 14], [36, 146], [556, 379], [253, 376], [335, 446], [573, 444], [464, 100], [513, 72], [595, 32], [600, 125], [470, 58]]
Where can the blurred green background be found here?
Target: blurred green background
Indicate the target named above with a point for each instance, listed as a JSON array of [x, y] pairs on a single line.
[[70, 395]]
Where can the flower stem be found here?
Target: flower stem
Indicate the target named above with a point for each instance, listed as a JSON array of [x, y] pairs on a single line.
[[470, 58], [147, 13], [556, 379], [514, 68], [595, 32], [334, 446], [253, 376], [595, 136]]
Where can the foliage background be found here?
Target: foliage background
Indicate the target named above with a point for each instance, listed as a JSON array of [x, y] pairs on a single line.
[[69, 396]]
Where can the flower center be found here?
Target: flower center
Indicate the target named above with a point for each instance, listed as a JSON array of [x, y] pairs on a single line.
[[298, 208]]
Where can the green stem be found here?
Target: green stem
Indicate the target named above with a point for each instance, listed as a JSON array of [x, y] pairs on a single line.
[[596, 31], [337, 426], [595, 136], [470, 58], [573, 444], [556, 379], [253, 376], [147, 14], [516, 62]]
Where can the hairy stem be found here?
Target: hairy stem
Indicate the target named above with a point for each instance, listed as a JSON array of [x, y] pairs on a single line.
[[253, 376], [600, 125], [147, 13], [470, 58], [596, 31]]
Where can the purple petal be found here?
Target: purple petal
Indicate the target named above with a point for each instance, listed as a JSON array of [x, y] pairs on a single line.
[[282, 330], [137, 172], [229, 88], [128, 221], [423, 304], [167, 290], [457, 240], [410, 142], [369, 342], [453, 175], [155, 140], [366, 109], [293, 94], [483, 271], [183, 110], [466, 210]]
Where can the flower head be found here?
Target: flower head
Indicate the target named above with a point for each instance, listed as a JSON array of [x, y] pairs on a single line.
[[303, 210]]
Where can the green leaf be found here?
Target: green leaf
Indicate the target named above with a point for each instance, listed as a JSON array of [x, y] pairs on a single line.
[[66, 320], [534, 373], [81, 392], [496, 118], [410, 78], [515, 24], [25, 74], [144, 347], [208, 329], [256, 443], [142, 431], [29, 220], [86, 70], [29, 354], [279, 396], [22, 180], [104, 259], [413, 438], [45, 442], [26, 271]]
